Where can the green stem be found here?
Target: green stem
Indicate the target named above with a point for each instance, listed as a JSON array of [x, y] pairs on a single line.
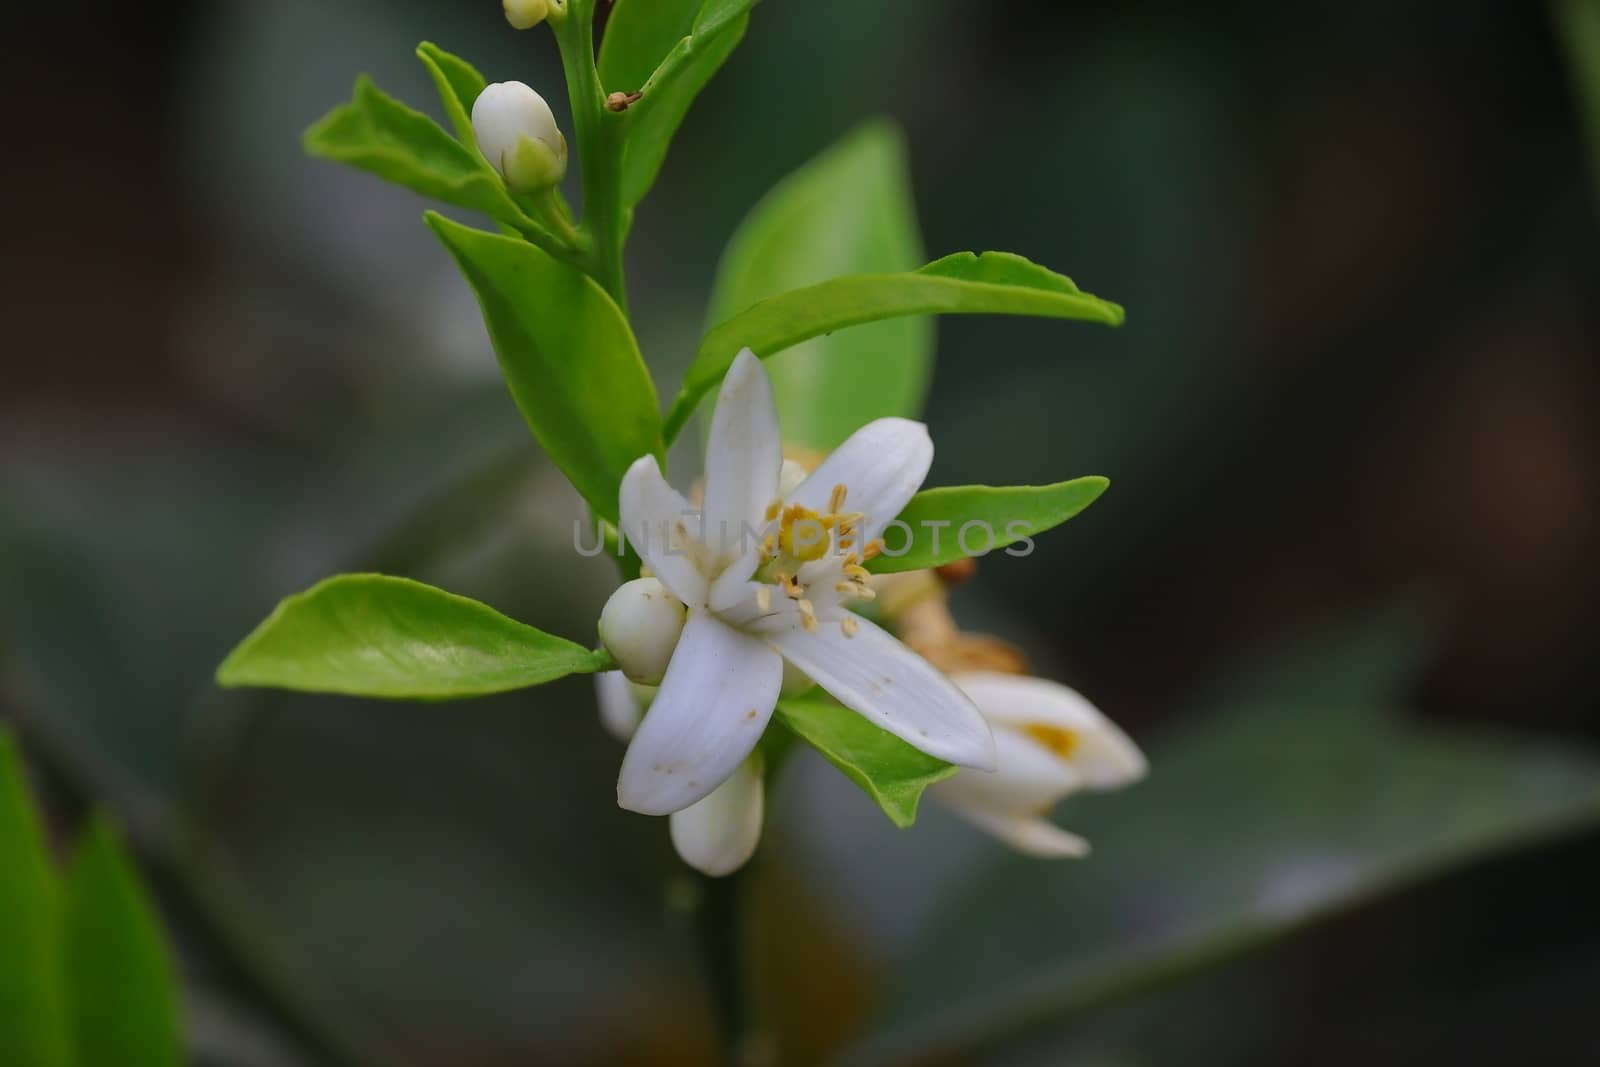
[[598, 132], [718, 926]]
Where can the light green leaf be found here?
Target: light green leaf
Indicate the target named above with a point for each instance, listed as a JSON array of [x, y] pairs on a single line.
[[459, 84], [670, 49], [33, 1019], [942, 520], [847, 212], [1300, 798], [996, 283], [378, 134], [568, 355], [887, 769], [120, 982], [639, 34], [378, 636], [652, 123]]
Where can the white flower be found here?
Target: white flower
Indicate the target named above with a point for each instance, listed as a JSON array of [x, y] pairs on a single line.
[[1051, 742], [517, 134], [718, 834], [767, 579], [525, 14]]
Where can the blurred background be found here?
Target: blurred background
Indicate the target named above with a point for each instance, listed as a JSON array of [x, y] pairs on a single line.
[[1342, 589]]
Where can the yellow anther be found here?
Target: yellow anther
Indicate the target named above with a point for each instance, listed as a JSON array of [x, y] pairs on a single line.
[[808, 615], [848, 625], [872, 550], [773, 509], [857, 572], [836, 501]]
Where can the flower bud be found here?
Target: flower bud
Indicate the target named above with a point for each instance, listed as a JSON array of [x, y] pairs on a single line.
[[517, 134], [639, 626], [526, 14]]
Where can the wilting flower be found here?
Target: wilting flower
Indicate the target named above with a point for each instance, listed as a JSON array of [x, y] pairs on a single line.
[[1051, 742], [768, 578], [517, 133]]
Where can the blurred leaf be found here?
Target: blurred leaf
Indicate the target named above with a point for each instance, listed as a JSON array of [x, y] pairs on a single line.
[[652, 125], [887, 769], [1006, 514], [1302, 800], [1579, 23], [459, 84], [848, 211], [715, 14], [568, 355], [33, 1021], [378, 134], [994, 283], [378, 636], [120, 982]]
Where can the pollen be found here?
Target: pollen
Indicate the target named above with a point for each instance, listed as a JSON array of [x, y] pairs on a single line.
[[808, 615], [848, 625], [1057, 739]]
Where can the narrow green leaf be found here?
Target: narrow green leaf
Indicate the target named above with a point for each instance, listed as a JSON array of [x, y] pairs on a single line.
[[849, 211], [377, 636], [715, 14], [639, 34], [887, 769], [33, 1020], [995, 283], [957, 521], [378, 134], [121, 987], [459, 84], [652, 124], [568, 355]]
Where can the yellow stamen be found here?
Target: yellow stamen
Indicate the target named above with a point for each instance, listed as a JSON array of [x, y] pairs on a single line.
[[871, 551], [808, 615], [836, 501], [848, 625]]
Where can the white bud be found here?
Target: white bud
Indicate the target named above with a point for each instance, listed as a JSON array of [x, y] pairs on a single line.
[[639, 626], [517, 134], [526, 14]]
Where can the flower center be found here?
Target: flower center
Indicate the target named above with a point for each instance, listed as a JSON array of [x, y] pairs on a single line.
[[804, 536]]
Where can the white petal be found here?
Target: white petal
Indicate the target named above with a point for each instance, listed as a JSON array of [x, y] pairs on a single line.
[[654, 519], [620, 710], [708, 714], [892, 687], [717, 835], [1033, 835], [743, 456], [1027, 779], [1106, 757], [882, 466]]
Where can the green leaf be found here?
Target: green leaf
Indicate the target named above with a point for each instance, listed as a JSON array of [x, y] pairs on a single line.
[[1579, 24], [377, 636], [848, 211], [652, 124], [459, 84], [670, 49], [33, 1020], [120, 982], [995, 283], [568, 356], [887, 769], [639, 34], [1301, 797], [1004, 515], [378, 134]]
